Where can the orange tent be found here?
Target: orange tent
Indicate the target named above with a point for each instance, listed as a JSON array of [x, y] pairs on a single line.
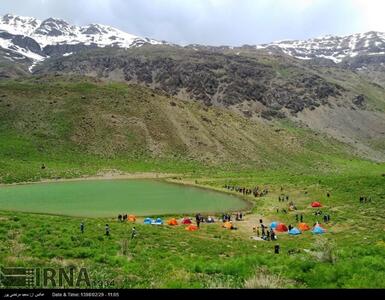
[[192, 227], [131, 218], [172, 222], [227, 225], [303, 227], [316, 204], [281, 227]]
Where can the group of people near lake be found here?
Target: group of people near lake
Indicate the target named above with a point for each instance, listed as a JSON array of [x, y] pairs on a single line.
[[256, 191], [264, 233]]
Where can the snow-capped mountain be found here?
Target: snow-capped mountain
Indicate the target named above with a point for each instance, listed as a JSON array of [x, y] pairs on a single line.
[[33, 39], [334, 48]]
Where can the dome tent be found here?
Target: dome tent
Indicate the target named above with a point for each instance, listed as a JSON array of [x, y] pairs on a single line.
[[186, 221], [131, 218], [316, 204], [281, 228], [318, 230], [227, 225], [294, 231], [273, 225], [303, 226], [172, 222], [158, 221], [192, 227], [148, 221]]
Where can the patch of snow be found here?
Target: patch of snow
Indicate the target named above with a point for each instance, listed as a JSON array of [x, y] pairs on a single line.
[[68, 54]]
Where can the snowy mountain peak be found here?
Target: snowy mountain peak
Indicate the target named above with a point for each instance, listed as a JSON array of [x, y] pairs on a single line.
[[33, 39], [331, 47], [55, 27]]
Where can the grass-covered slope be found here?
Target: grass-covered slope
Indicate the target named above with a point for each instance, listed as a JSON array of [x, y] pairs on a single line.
[[79, 126], [349, 255]]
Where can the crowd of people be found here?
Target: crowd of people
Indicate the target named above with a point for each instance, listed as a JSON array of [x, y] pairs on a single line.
[[256, 191], [264, 233]]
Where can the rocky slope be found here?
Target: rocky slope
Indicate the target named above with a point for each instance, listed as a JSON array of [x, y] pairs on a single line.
[[337, 88]]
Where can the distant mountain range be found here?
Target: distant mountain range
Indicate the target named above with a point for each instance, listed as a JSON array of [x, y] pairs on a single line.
[[330, 85], [35, 40]]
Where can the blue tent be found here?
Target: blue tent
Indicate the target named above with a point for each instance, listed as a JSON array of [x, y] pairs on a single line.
[[158, 221], [148, 221], [318, 230], [295, 231], [273, 225]]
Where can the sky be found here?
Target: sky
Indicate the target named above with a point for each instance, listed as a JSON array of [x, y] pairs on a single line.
[[214, 22]]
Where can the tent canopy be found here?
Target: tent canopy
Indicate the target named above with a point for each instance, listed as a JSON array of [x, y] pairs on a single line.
[[227, 225], [303, 226], [294, 231], [158, 221], [186, 221], [148, 221], [273, 225], [192, 227], [318, 230], [281, 227], [172, 222]]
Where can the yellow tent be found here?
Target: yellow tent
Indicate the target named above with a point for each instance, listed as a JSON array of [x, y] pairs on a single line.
[[172, 222], [228, 225]]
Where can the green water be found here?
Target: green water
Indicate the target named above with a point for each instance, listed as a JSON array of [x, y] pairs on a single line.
[[107, 198]]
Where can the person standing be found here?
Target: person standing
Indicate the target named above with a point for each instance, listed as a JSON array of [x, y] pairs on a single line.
[[82, 227], [301, 218], [133, 232], [276, 249], [107, 230]]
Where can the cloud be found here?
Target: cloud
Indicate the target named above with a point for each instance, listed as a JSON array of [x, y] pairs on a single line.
[[214, 22]]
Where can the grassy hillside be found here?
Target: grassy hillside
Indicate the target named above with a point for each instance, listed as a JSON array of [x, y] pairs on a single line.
[[349, 255], [80, 126]]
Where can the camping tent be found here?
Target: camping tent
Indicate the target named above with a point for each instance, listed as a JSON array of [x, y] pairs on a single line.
[[148, 221], [172, 222], [273, 225], [303, 226], [210, 219], [294, 231], [131, 218], [281, 227], [192, 227], [318, 230], [316, 204], [186, 221], [158, 221], [227, 225]]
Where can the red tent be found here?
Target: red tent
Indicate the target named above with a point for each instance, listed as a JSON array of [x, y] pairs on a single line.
[[281, 227], [186, 221], [316, 204]]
